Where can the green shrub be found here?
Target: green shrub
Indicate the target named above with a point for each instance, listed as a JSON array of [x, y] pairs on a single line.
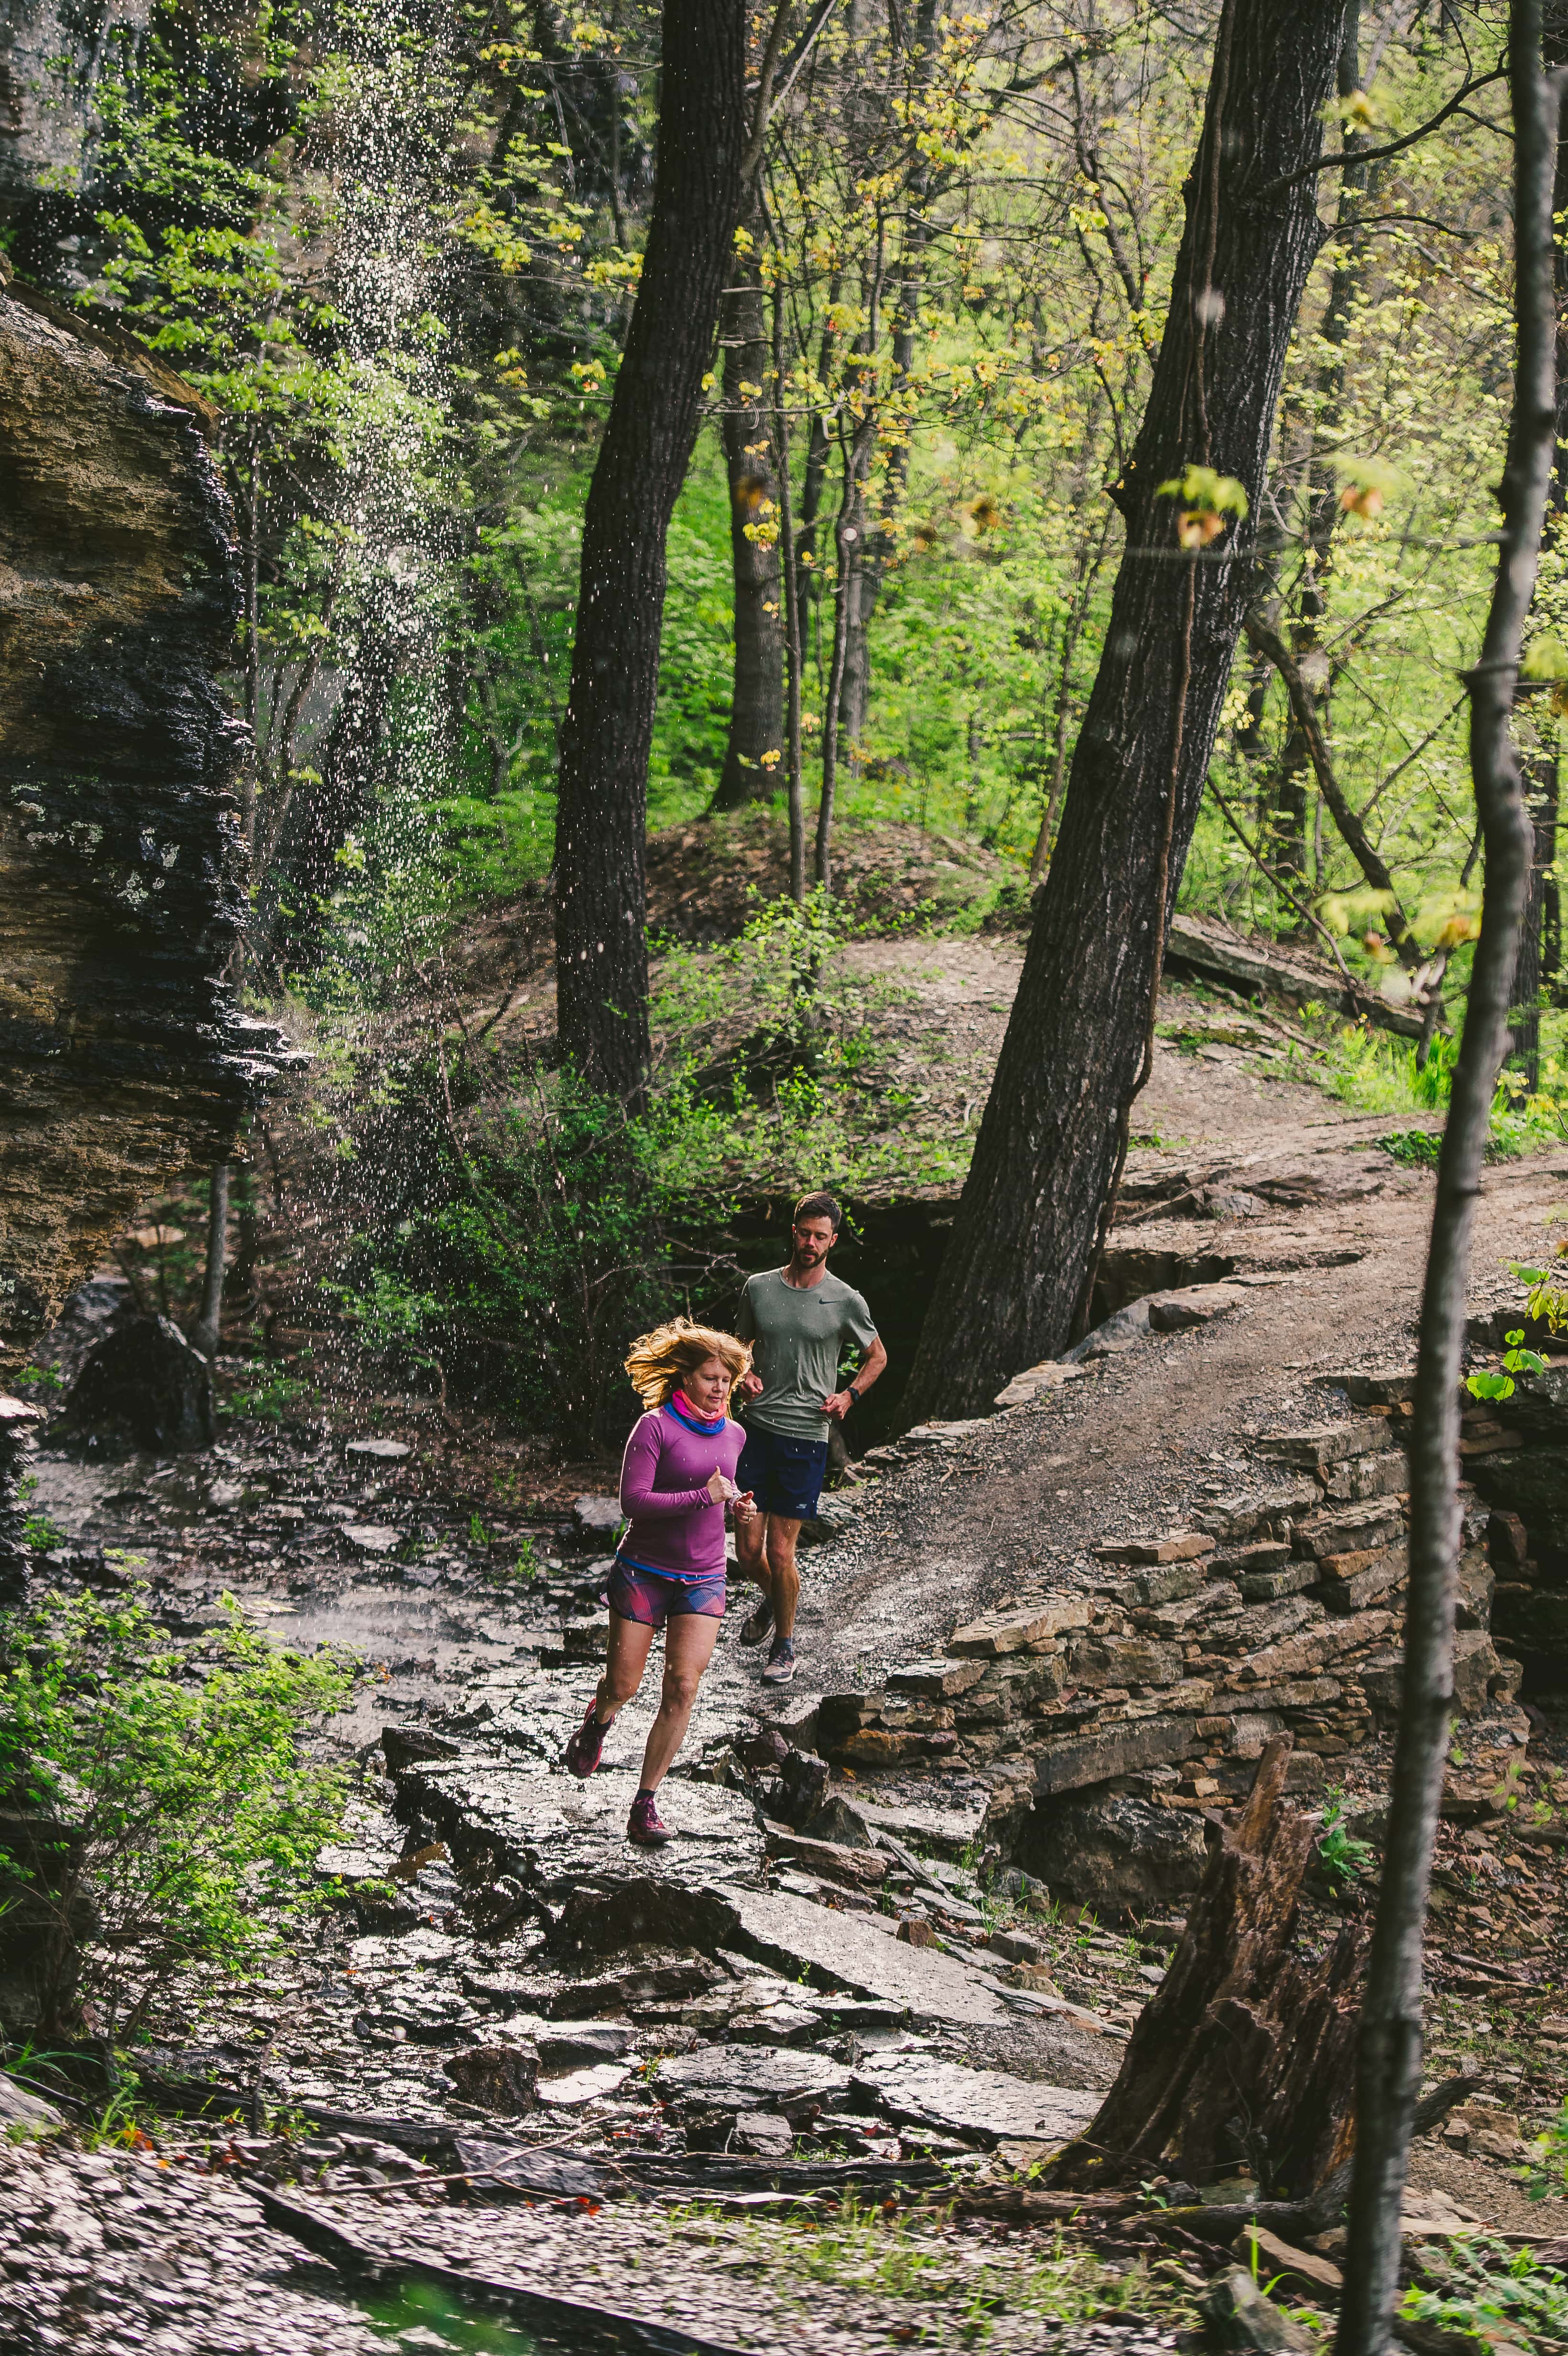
[[1480, 2288], [162, 1809]]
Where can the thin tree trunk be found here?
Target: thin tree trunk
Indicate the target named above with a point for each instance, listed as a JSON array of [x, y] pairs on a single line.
[[757, 697], [1540, 803], [847, 532], [1389, 2076], [793, 780], [601, 957], [1297, 755], [1054, 1132], [205, 1332]]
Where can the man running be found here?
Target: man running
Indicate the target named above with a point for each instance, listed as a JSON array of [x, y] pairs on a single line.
[[797, 1318]]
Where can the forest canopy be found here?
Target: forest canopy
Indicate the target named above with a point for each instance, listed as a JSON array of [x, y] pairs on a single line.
[[400, 251]]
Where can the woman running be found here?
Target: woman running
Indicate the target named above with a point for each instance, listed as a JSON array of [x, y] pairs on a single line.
[[677, 1477]]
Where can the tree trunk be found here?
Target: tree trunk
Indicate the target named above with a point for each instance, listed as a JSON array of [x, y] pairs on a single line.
[[846, 538], [1297, 760], [756, 706], [794, 783], [1389, 2078], [602, 959], [1053, 1133], [205, 1332], [1540, 803], [1239, 2008]]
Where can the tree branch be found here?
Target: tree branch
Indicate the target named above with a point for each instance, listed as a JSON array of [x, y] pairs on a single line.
[[1393, 147], [1268, 642]]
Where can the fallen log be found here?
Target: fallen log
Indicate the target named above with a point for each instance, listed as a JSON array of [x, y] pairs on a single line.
[[1246, 2055], [1204, 947], [568, 2324]]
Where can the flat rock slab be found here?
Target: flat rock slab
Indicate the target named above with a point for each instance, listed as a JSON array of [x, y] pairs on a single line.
[[372, 1537], [985, 2105], [761, 2073], [947, 1832], [557, 1834], [791, 1934]]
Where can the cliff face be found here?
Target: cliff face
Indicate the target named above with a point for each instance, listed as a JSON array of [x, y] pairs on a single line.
[[122, 1057]]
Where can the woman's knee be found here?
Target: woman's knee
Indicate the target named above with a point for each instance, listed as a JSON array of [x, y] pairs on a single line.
[[680, 1687]]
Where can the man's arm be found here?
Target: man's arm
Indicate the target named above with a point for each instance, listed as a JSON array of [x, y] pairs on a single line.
[[839, 1404], [750, 1382]]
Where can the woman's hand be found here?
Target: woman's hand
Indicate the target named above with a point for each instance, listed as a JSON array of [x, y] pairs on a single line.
[[720, 1490], [746, 1507]]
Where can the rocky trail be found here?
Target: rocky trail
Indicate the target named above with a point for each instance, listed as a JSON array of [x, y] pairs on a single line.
[[918, 1902]]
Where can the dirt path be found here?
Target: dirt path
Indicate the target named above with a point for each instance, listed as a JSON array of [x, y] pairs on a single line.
[[1147, 1434]]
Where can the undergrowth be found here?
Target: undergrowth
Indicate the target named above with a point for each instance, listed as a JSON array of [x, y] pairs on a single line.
[[165, 1808], [1492, 2294], [961, 2289], [1377, 1072]]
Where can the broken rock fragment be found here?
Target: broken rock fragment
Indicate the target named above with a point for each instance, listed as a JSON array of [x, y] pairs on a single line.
[[1017, 1627], [982, 2106], [501, 2078]]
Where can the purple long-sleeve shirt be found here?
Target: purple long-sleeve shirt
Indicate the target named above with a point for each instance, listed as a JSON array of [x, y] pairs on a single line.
[[675, 1527]]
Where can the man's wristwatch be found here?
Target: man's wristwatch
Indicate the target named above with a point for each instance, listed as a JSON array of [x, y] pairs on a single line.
[[854, 1394]]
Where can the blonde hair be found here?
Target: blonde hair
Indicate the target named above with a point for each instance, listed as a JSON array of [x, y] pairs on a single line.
[[657, 1361]]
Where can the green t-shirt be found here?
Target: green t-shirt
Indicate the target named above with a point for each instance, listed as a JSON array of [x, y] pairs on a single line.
[[798, 1330]]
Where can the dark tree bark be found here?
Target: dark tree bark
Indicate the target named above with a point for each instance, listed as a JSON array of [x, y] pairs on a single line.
[[1077, 1044], [1389, 2077], [756, 705], [602, 960]]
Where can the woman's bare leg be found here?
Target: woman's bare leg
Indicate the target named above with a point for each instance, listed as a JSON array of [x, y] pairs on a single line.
[[630, 1643], [687, 1649]]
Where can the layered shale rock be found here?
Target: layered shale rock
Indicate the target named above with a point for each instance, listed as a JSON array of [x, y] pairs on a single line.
[[123, 1058], [1109, 1717]]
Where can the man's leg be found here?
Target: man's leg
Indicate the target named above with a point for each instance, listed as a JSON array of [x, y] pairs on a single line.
[[751, 1551], [783, 1585]]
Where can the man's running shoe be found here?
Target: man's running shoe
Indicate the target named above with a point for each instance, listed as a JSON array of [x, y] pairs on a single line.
[[646, 1824], [760, 1623], [586, 1747], [780, 1663]]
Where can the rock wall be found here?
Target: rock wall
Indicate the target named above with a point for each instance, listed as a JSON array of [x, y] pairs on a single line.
[[122, 1057], [1109, 1717]]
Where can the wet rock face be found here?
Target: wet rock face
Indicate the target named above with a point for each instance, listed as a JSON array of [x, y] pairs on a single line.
[[121, 861]]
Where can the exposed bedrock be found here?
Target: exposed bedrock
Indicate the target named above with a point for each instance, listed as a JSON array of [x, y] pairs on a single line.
[[122, 1057]]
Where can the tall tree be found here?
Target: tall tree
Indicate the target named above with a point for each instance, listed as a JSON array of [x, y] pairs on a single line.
[[602, 959], [1079, 1043], [751, 752], [1388, 2073]]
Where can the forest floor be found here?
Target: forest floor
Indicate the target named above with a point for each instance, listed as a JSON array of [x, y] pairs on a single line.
[[453, 1564]]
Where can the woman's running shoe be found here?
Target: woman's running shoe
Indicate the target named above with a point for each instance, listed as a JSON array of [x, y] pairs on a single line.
[[780, 1663], [759, 1624], [646, 1824], [586, 1747]]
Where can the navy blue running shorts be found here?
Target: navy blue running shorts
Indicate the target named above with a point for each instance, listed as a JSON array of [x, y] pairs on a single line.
[[784, 1474]]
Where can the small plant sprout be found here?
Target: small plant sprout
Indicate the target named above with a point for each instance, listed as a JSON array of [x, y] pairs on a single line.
[[1517, 1360], [1345, 1860]]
